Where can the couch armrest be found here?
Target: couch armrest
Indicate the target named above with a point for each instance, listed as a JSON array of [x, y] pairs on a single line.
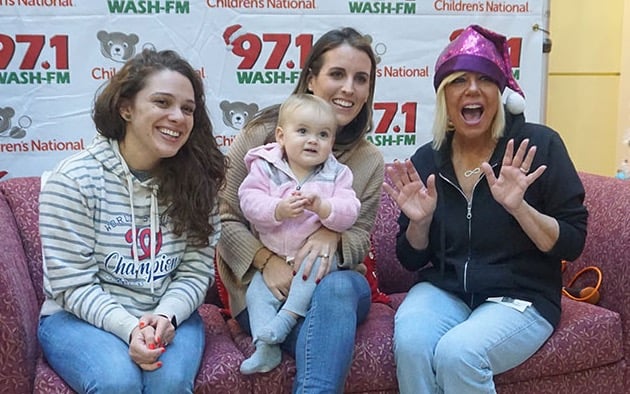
[[19, 308], [607, 243]]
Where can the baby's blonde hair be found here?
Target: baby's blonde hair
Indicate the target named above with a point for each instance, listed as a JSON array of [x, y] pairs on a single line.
[[311, 102]]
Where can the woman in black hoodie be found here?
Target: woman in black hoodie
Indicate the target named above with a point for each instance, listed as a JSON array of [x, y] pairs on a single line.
[[489, 209]]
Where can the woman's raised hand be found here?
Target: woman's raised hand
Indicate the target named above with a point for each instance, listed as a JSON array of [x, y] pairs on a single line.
[[508, 189], [415, 199]]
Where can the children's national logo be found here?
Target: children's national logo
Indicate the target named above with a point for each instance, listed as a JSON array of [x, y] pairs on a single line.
[[8, 131], [117, 46]]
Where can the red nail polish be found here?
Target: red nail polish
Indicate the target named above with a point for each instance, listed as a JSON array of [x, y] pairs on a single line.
[[151, 346], [142, 324], [304, 277], [317, 281], [159, 364], [163, 349], [294, 273]]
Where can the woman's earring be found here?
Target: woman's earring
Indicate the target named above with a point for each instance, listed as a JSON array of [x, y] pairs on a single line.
[[449, 125]]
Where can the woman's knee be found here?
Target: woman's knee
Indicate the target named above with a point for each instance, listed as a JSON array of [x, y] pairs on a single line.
[[119, 383], [452, 354], [411, 342], [172, 381], [343, 285]]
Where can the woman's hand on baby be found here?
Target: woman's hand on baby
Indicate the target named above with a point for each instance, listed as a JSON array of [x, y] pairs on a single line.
[[321, 244], [277, 276]]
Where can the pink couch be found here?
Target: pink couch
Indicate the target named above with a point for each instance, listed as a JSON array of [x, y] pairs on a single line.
[[587, 353]]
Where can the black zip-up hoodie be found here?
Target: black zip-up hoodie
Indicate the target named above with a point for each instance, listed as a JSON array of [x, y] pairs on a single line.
[[477, 249]]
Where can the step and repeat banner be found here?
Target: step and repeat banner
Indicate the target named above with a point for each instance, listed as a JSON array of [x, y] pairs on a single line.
[[54, 55]]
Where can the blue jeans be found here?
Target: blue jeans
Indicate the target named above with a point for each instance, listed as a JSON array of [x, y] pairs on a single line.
[[92, 360], [442, 346], [323, 342]]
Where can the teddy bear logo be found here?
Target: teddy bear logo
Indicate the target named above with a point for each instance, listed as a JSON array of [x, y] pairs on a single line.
[[237, 113], [117, 46], [379, 48], [6, 131]]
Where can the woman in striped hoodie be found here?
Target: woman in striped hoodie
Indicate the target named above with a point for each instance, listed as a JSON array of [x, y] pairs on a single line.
[[128, 230]]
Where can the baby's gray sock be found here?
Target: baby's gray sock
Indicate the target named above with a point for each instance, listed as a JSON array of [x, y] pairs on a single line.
[[265, 358], [278, 328]]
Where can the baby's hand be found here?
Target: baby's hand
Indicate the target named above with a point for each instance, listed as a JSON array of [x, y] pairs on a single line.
[[313, 202], [317, 205], [290, 207]]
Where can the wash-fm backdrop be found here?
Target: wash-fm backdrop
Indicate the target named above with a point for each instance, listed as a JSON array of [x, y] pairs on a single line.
[[55, 54]]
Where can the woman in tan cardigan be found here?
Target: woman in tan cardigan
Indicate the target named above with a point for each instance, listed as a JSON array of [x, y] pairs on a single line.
[[341, 68]]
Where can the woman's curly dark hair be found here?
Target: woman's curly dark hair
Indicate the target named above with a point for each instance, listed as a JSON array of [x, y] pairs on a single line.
[[188, 182]]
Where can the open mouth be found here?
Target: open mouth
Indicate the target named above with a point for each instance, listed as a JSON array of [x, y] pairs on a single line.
[[472, 113]]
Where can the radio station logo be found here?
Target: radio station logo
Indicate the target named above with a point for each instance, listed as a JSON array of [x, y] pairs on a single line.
[[148, 7], [396, 125], [406, 7], [270, 58], [34, 59], [267, 58]]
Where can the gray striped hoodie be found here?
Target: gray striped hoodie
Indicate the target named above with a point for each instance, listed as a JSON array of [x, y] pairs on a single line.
[[97, 224]]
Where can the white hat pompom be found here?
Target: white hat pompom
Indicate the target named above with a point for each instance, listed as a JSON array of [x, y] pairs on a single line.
[[515, 103]]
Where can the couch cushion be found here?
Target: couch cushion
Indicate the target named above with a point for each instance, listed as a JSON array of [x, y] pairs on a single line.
[[373, 368], [22, 196], [587, 336], [19, 308], [47, 380], [392, 277], [219, 370]]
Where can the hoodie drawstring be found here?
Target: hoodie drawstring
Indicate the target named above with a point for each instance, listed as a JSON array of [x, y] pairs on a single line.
[[152, 220], [153, 228]]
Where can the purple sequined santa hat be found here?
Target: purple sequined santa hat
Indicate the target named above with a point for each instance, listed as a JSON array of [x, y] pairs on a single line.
[[478, 49]]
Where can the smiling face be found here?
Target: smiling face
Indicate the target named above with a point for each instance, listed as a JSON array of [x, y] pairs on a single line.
[[159, 120], [343, 81], [472, 102], [307, 137]]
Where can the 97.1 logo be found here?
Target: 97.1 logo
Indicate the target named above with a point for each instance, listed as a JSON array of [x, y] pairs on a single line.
[[268, 50], [28, 52], [403, 131]]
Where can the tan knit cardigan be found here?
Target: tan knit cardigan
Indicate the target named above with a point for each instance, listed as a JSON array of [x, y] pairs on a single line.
[[238, 245]]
